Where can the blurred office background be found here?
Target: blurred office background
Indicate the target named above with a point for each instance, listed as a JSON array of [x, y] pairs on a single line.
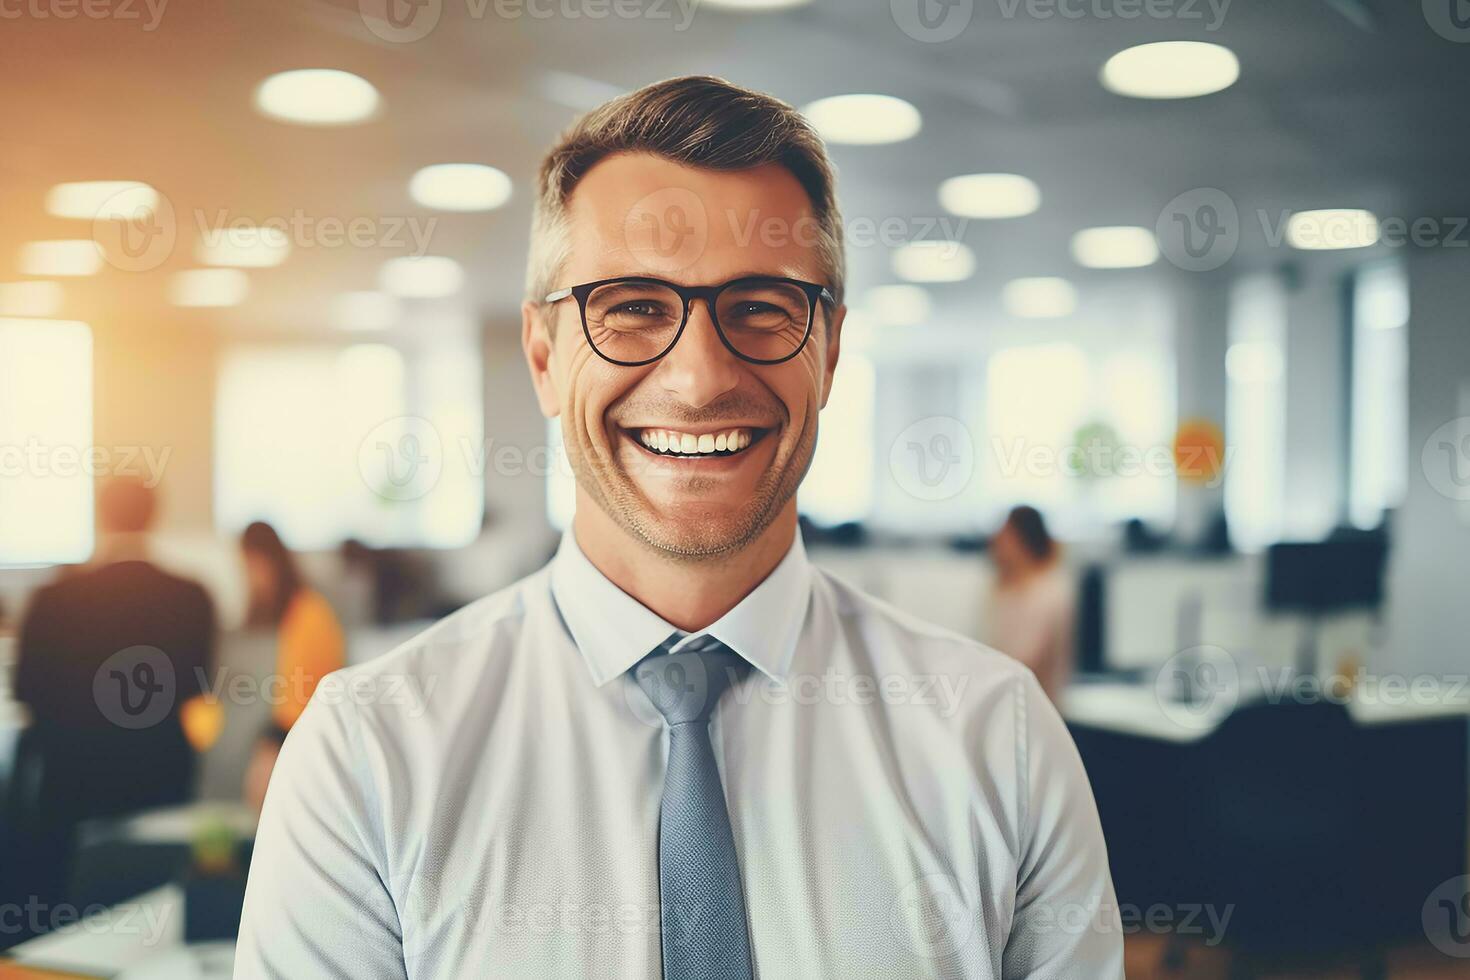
[[1203, 307]]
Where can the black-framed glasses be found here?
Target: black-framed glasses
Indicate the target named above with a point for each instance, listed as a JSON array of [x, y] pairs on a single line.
[[635, 320]]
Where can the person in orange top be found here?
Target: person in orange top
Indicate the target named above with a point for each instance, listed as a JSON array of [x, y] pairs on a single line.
[[309, 641]]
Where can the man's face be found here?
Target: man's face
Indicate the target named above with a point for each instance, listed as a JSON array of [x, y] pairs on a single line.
[[638, 214]]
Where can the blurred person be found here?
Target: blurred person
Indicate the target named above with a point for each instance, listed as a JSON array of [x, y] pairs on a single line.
[[309, 642], [109, 658], [1032, 608], [400, 582], [647, 728]]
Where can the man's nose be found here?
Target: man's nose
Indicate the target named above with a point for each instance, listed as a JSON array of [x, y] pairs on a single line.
[[700, 368]]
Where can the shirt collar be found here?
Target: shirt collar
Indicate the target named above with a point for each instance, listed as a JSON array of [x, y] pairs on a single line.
[[614, 631]]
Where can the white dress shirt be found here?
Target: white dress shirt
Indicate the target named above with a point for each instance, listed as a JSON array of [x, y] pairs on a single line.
[[483, 801]]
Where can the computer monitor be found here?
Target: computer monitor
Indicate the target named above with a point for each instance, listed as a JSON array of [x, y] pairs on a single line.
[[1325, 576]]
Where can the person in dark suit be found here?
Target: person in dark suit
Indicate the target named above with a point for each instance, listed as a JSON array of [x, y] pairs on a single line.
[[108, 656]]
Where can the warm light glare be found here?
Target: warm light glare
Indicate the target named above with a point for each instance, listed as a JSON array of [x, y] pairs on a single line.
[[460, 187], [317, 97], [46, 402], [364, 310], [1118, 247], [63, 257], [421, 277], [934, 262], [246, 246], [989, 195], [1332, 228], [899, 305], [93, 199], [1171, 70], [34, 297], [1038, 297], [209, 287], [864, 120]]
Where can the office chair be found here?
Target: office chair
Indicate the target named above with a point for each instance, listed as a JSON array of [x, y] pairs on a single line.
[[1286, 839], [60, 779]]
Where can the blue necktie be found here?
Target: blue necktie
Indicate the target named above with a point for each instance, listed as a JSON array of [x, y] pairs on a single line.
[[702, 910]]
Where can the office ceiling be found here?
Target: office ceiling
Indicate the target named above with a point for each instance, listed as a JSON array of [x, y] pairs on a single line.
[[1339, 104]]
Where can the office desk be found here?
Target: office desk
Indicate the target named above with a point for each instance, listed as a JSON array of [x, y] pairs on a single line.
[[1138, 710], [1397, 810], [137, 939], [126, 886]]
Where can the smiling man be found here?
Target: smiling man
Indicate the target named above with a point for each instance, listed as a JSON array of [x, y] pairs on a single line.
[[681, 750]]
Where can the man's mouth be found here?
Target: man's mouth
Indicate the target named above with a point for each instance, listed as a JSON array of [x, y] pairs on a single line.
[[677, 444]]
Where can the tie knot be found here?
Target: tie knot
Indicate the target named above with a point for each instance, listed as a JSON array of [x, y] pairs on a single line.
[[686, 686]]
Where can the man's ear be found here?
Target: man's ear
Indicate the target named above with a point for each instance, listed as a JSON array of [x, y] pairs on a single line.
[[537, 345], [834, 345]]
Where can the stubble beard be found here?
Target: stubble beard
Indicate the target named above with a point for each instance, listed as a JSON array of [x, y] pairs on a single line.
[[721, 539]]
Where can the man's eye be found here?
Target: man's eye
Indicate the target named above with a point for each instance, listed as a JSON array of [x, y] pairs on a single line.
[[639, 308]]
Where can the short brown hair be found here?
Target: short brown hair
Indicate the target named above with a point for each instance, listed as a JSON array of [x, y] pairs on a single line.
[[697, 120]]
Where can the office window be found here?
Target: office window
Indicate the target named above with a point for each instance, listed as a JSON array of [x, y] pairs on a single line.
[[1083, 434], [1255, 412], [924, 449], [47, 461], [1380, 393], [1036, 399], [332, 443], [839, 485]]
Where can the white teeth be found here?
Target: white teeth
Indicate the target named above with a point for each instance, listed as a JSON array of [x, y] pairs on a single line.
[[689, 444]]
